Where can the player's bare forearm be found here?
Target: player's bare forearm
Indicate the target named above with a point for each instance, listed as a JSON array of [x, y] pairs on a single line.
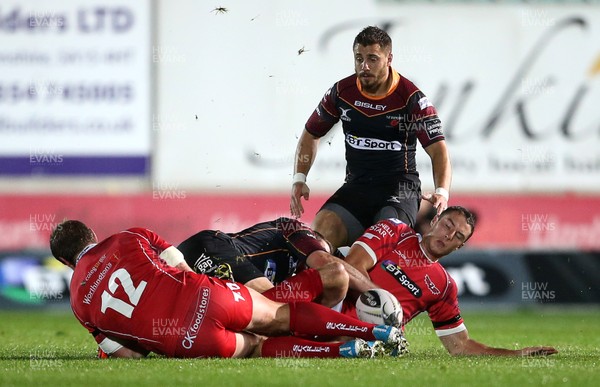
[[358, 280], [442, 176], [360, 260], [128, 353], [474, 348], [459, 344], [306, 152], [440, 162]]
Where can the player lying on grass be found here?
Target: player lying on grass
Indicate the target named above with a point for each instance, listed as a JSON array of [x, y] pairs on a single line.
[[265, 256], [127, 287], [405, 263], [394, 256]]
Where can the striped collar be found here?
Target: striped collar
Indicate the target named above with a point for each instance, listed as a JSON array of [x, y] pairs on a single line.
[[85, 250]]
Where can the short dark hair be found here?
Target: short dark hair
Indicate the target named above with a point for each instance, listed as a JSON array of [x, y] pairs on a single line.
[[469, 216], [373, 35], [69, 238]]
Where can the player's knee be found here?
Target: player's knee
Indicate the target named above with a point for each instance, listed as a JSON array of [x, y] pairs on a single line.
[[334, 275], [281, 320]]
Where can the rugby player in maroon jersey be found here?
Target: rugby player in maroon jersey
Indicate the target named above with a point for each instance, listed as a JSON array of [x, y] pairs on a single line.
[[383, 116], [275, 258]]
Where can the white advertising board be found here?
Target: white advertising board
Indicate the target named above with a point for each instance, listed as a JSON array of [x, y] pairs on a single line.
[[75, 87]]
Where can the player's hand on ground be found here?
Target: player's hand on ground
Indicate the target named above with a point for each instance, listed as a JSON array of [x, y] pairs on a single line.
[[538, 351], [438, 202], [299, 190]]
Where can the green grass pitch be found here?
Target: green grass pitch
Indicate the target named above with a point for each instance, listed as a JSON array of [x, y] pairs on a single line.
[[51, 349]]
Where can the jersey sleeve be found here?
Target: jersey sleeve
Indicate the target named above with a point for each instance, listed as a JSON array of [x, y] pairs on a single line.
[[301, 240], [106, 344], [378, 238], [153, 239], [445, 313], [325, 115], [426, 120]]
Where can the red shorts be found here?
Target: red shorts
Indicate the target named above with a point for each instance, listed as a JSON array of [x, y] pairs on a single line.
[[222, 308]]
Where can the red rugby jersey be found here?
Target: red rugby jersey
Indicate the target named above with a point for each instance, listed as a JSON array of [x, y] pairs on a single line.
[[124, 277], [402, 268]]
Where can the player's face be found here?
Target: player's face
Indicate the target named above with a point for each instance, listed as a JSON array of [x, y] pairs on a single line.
[[371, 64], [449, 233]]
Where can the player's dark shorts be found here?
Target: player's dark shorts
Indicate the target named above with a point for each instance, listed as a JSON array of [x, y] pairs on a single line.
[[362, 205], [214, 253]]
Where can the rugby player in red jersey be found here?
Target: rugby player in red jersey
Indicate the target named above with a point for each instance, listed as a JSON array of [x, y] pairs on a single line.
[[128, 287], [383, 116], [405, 263]]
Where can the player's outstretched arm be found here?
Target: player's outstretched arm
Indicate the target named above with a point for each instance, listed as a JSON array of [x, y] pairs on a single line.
[[360, 259], [459, 344]]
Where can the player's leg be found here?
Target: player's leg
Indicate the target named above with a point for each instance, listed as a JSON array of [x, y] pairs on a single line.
[[260, 284], [206, 250], [401, 204], [346, 214], [329, 224], [405, 211], [271, 318], [236, 308], [305, 286], [295, 347], [251, 345], [327, 285], [215, 253], [335, 281]]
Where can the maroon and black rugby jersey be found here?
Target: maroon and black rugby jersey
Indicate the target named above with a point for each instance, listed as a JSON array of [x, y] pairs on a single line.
[[380, 133]]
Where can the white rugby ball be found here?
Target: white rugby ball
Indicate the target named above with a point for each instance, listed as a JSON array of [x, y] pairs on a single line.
[[378, 306]]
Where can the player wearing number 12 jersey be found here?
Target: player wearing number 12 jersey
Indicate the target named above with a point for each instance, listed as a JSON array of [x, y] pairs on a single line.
[[135, 294]]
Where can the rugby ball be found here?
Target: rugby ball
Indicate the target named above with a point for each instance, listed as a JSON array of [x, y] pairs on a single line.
[[378, 306]]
